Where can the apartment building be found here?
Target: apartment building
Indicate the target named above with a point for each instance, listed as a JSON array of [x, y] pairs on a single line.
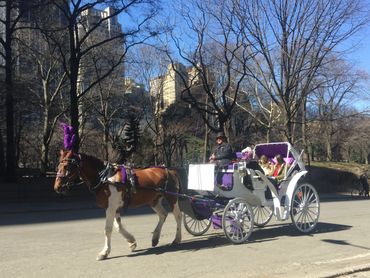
[[102, 26], [167, 89]]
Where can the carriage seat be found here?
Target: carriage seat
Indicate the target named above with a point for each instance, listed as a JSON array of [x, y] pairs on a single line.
[[224, 178]]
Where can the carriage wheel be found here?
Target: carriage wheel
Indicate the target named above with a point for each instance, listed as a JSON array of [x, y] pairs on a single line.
[[305, 209], [237, 220], [262, 215], [196, 227]]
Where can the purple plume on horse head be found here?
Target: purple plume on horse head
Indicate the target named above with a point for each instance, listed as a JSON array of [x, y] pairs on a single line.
[[69, 136]]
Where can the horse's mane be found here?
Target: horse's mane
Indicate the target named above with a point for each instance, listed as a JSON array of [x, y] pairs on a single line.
[[94, 159]]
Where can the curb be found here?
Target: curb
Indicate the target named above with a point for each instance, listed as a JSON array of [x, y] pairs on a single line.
[[349, 271]]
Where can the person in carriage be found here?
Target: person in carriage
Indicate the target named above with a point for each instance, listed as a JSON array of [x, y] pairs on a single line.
[[278, 171], [222, 156], [266, 165]]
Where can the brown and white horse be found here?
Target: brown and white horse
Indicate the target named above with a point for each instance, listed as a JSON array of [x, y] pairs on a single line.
[[152, 185]]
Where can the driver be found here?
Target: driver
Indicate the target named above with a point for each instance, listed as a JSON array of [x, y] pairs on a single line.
[[222, 153], [221, 156]]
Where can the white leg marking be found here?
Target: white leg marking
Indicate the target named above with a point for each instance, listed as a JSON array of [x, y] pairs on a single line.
[[162, 214], [129, 237], [113, 204]]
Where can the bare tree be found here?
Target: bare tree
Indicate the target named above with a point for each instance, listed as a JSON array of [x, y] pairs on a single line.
[[80, 31], [149, 66], [336, 88], [256, 102], [292, 39], [217, 55], [357, 143], [12, 13], [48, 82]]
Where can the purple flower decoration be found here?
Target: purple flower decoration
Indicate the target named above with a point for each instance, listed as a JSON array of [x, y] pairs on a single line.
[[69, 136]]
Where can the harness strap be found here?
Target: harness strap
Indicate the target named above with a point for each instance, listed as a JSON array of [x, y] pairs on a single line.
[[166, 181]]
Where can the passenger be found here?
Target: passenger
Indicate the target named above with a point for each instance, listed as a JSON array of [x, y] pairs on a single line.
[[265, 165], [279, 169], [247, 154]]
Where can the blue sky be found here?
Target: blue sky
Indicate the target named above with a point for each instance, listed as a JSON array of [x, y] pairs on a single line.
[[360, 55]]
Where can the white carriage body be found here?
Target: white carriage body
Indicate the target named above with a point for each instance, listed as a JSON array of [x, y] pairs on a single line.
[[202, 178], [253, 198]]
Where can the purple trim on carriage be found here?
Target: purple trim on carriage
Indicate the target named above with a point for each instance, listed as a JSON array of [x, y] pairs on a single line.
[[216, 221], [227, 181], [244, 155], [271, 150]]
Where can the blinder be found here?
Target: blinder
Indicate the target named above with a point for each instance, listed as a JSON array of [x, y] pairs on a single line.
[[70, 172]]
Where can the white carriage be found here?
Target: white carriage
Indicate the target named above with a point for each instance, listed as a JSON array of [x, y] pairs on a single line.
[[251, 198]]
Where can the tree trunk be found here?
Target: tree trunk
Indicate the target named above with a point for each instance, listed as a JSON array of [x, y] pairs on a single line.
[[106, 141], [2, 158], [73, 78], [10, 174], [328, 144], [45, 145]]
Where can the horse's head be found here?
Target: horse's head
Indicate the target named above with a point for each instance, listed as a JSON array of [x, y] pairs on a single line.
[[68, 171]]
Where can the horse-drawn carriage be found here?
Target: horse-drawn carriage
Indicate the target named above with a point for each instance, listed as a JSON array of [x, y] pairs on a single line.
[[248, 197]]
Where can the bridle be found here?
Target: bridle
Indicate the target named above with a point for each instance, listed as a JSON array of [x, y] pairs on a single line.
[[68, 180]]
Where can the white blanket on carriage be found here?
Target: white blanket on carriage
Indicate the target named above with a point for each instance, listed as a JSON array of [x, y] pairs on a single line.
[[201, 177]]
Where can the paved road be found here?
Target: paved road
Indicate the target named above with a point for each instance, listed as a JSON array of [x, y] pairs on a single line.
[[62, 240]]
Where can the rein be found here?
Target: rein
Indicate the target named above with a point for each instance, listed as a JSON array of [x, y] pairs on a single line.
[[70, 183]]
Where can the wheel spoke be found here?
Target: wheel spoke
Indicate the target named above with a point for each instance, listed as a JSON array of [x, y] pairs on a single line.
[[237, 220], [305, 208], [196, 227]]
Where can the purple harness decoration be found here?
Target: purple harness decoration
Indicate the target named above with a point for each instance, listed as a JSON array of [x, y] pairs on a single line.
[[124, 174], [69, 136]]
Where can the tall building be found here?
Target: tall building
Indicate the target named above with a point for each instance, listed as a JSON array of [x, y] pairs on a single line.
[[131, 87], [167, 88], [101, 59], [28, 14]]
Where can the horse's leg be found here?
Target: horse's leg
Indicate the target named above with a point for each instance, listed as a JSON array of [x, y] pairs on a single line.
[[177, 214], [114, 201], [109, 217], [162, 214], [119, 227]]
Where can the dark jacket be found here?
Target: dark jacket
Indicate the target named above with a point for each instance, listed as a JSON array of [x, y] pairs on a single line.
[[223, 154]]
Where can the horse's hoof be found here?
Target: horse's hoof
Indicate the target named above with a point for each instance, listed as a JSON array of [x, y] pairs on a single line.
[[132, 246], [155, 243], [101, 257], [175, 242]]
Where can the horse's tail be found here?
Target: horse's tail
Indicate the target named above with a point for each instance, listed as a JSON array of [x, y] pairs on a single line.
[[181, 179]]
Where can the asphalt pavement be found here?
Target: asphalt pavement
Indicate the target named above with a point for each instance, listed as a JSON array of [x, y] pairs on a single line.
[[41, 209]]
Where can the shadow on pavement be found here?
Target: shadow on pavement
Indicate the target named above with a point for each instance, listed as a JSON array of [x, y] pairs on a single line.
[[198, 243], [30, 213], [218, 239], [344, 242]]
